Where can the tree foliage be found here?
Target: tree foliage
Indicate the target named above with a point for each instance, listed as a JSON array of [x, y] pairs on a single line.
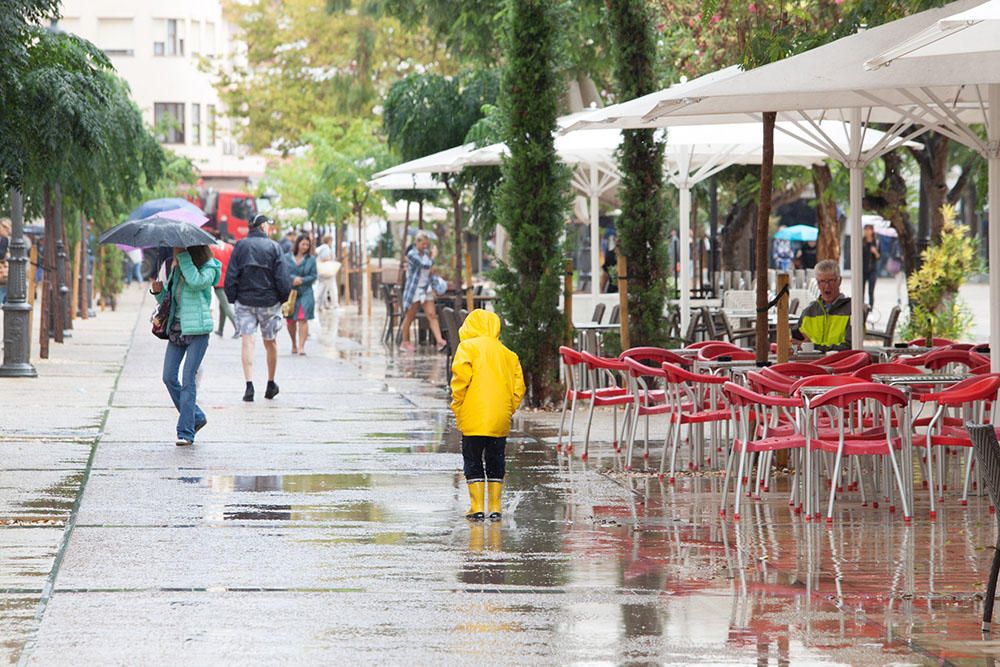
[[472, 31], [935, 309], [18, 21], [309, 59], [427, 113], [641, 229], [91, 140], [330, 178], [532, 200]]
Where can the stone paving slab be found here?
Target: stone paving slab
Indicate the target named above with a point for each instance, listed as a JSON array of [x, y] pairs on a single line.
[[38, 496], [200, 498], [42, 454], [26, 557]]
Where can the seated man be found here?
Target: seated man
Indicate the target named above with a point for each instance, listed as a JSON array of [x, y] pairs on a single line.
[[827, 320]]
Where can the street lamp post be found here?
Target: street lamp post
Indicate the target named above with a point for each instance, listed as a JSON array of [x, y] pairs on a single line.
[[17, 311]]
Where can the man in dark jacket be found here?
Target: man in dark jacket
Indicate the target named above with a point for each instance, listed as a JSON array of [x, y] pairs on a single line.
[[258, 282]]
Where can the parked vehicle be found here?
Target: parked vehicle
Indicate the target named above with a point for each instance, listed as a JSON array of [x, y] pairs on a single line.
[[229, 212]]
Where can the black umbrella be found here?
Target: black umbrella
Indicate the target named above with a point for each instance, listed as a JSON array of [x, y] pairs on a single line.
[[161, 229]]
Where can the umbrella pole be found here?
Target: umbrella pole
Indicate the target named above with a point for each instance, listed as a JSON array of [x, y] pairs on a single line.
[[994, 222], [857, 183]]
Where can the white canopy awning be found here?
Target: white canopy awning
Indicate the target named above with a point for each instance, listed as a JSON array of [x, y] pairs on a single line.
[[442, 162], [972, 31], [830, 82], [694, 153], [406, 181], [397, 212]]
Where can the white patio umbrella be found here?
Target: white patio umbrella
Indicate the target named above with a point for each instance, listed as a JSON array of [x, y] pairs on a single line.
[[693, 154], [442, 162], [397, 212], [972, 31], [406, 181], [945, 94]]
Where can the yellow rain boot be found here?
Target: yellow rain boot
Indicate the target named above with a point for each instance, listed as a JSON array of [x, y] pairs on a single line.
[[495, 490], [476, 492]]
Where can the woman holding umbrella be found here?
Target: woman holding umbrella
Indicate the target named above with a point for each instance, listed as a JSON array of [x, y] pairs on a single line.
[[189, 284]]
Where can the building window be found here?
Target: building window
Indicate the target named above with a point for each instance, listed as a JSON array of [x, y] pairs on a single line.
[[173, 42], [195, 38], [168, 119], [209, 39], [196, 124], [116, 37], [211, 124]]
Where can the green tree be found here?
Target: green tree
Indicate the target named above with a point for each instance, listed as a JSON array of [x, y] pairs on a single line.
[[532, 200], [427, 113], [18, 27], [641, 227], [330, 178], [308, 59]]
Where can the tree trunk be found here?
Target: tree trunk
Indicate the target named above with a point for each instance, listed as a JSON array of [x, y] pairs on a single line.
[[47, 258], [826, 214], [456, 204], [933, 161], [735, 236], [889, 201], [763, 219]]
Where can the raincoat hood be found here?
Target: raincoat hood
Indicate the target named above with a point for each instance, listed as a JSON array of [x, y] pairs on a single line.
[[480, 323], [486, 379]]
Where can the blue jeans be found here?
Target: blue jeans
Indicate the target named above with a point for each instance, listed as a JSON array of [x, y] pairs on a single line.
[[183, 393]]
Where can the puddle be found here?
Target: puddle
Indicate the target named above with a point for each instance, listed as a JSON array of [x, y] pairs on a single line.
[[291, 483]]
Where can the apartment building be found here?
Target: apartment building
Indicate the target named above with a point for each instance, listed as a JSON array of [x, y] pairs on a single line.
[[160, 49]]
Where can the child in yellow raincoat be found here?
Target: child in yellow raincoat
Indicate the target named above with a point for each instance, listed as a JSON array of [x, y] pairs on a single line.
[[486, 387]]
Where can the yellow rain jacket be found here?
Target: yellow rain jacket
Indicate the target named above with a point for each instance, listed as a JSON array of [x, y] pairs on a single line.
[[486, 380]]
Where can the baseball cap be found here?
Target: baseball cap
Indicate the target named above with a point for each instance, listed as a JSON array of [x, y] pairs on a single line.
[[259, 220]]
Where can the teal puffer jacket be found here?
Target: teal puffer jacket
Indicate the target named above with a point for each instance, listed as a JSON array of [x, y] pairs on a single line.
[[192, 294]]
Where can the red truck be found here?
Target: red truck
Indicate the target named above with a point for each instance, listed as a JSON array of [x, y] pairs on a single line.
[[229, 213]]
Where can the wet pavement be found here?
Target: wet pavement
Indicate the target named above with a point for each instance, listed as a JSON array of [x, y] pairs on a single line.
[[326, 525]]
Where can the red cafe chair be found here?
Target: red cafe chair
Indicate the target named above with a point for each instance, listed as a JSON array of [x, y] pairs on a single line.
[[577, 388]]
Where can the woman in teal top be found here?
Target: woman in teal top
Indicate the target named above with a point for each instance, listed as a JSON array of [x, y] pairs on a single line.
[[302, 267], [190, 284]]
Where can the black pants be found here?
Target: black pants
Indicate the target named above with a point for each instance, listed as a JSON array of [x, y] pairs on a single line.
[[479, 448], [869, 280]]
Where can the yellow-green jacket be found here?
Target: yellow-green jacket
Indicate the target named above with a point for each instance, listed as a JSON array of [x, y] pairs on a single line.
[[828, 327], [486, 380]]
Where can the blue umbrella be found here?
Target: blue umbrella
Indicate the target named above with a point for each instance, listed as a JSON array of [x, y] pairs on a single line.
[[154, 206], [798, 233]]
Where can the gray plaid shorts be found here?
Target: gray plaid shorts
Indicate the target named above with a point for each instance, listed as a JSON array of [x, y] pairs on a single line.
[[268, 317]]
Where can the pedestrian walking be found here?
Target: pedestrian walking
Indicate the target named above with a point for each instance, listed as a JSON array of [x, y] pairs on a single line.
[[257, 282], [610, 264], [806, 255], [418, 292], [287, 241], [487, 386], [870, 255], [327, 266], [133, 261], [189, 322], [302, 268], [223, 251]]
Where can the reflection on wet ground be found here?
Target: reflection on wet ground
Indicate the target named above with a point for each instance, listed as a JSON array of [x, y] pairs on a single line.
[[363, 555]]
